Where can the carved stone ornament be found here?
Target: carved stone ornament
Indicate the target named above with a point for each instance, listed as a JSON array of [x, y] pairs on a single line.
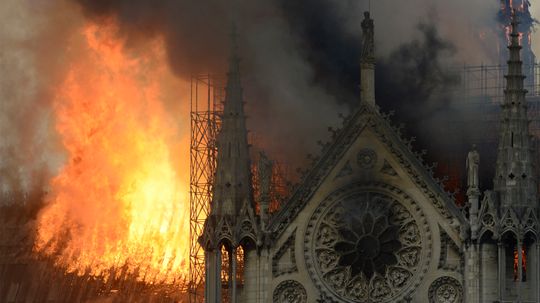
[[388, 169], [284, 261], [448, 245], [290, 291], [345, 171], [366, 158], [367, 245], [445, 290]]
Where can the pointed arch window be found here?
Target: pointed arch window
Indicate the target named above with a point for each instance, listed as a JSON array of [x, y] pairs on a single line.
[[232, 271]]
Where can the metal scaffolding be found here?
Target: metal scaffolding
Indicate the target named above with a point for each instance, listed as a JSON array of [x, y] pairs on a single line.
[[207, 95], [488, 81], [481, 91], [279, 185], [476, 100]]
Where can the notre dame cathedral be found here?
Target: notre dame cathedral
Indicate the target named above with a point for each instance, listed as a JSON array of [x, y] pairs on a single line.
[[369, 222]]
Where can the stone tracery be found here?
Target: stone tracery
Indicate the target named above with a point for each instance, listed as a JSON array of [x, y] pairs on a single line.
[[445, 290], [290, 291], [365, 247]]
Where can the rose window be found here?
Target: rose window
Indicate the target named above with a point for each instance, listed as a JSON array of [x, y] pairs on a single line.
[[366, 247]]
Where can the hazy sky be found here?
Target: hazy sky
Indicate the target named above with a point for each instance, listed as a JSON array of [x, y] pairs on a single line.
[[299, 59], [535, 11]]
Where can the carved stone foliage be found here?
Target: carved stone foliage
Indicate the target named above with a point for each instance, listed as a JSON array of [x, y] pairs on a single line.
[[367, 245], [488, 215], [488, 220], [445, 290], [509, 221], [284, 261], [530, 221], [367, 158], [290, 291]]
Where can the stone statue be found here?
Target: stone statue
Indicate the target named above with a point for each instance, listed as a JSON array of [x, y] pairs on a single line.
[[368, 43], [473, 160]]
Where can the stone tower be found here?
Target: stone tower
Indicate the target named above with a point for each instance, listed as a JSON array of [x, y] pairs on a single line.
[[230, 230], [514, 179], [502, 255]]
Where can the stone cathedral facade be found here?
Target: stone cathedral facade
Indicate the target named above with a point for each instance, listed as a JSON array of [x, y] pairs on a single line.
[[369, 222]]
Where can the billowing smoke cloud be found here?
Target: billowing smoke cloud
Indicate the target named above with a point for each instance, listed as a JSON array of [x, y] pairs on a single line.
[[300, 60], [426, 96], [418, 78], [31, 60], [301, 57]]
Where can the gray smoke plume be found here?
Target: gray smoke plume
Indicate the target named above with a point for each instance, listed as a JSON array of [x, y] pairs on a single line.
[[31, 62], [300, 60]]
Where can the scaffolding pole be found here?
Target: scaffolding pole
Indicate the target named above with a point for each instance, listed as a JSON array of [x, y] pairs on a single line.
[[477, 98], [483, 86], [207, 95]]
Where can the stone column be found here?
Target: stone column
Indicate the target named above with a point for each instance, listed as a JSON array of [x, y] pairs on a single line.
[[472, 273], [488, 272], [477, 273], [536, 281], [212, 289], [217, 274], [500, 270], [207, 277], [232, 258], [473, 195], [367, 61], [367, 86], [265, 273], [250, 292]]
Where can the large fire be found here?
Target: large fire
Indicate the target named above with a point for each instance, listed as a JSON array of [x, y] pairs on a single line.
[[119, 201]]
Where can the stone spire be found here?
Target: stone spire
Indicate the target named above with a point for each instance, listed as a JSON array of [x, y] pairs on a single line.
[[232, 220], [232, 187], [515, 180], [367, 61]]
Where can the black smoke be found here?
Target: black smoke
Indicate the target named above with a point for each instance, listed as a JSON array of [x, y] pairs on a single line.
[[417, 81], [300, 59], [320, 64], [328, 45]]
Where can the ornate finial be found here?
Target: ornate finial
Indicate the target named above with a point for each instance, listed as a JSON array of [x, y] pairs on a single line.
[[514, 20], [368, 42], [367, 64], [514, 34]]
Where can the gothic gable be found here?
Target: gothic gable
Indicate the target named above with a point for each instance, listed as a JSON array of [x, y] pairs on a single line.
[[368, 148], [370, 220]]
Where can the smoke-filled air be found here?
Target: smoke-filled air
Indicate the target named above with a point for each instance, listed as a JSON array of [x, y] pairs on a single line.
[[95, 106]]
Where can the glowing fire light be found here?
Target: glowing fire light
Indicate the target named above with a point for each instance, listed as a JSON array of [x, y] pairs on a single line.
[[118, 202], [523, 265]]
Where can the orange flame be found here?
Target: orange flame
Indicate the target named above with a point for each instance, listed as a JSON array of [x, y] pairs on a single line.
[[523, 264], [507, 32], [119, 201]]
